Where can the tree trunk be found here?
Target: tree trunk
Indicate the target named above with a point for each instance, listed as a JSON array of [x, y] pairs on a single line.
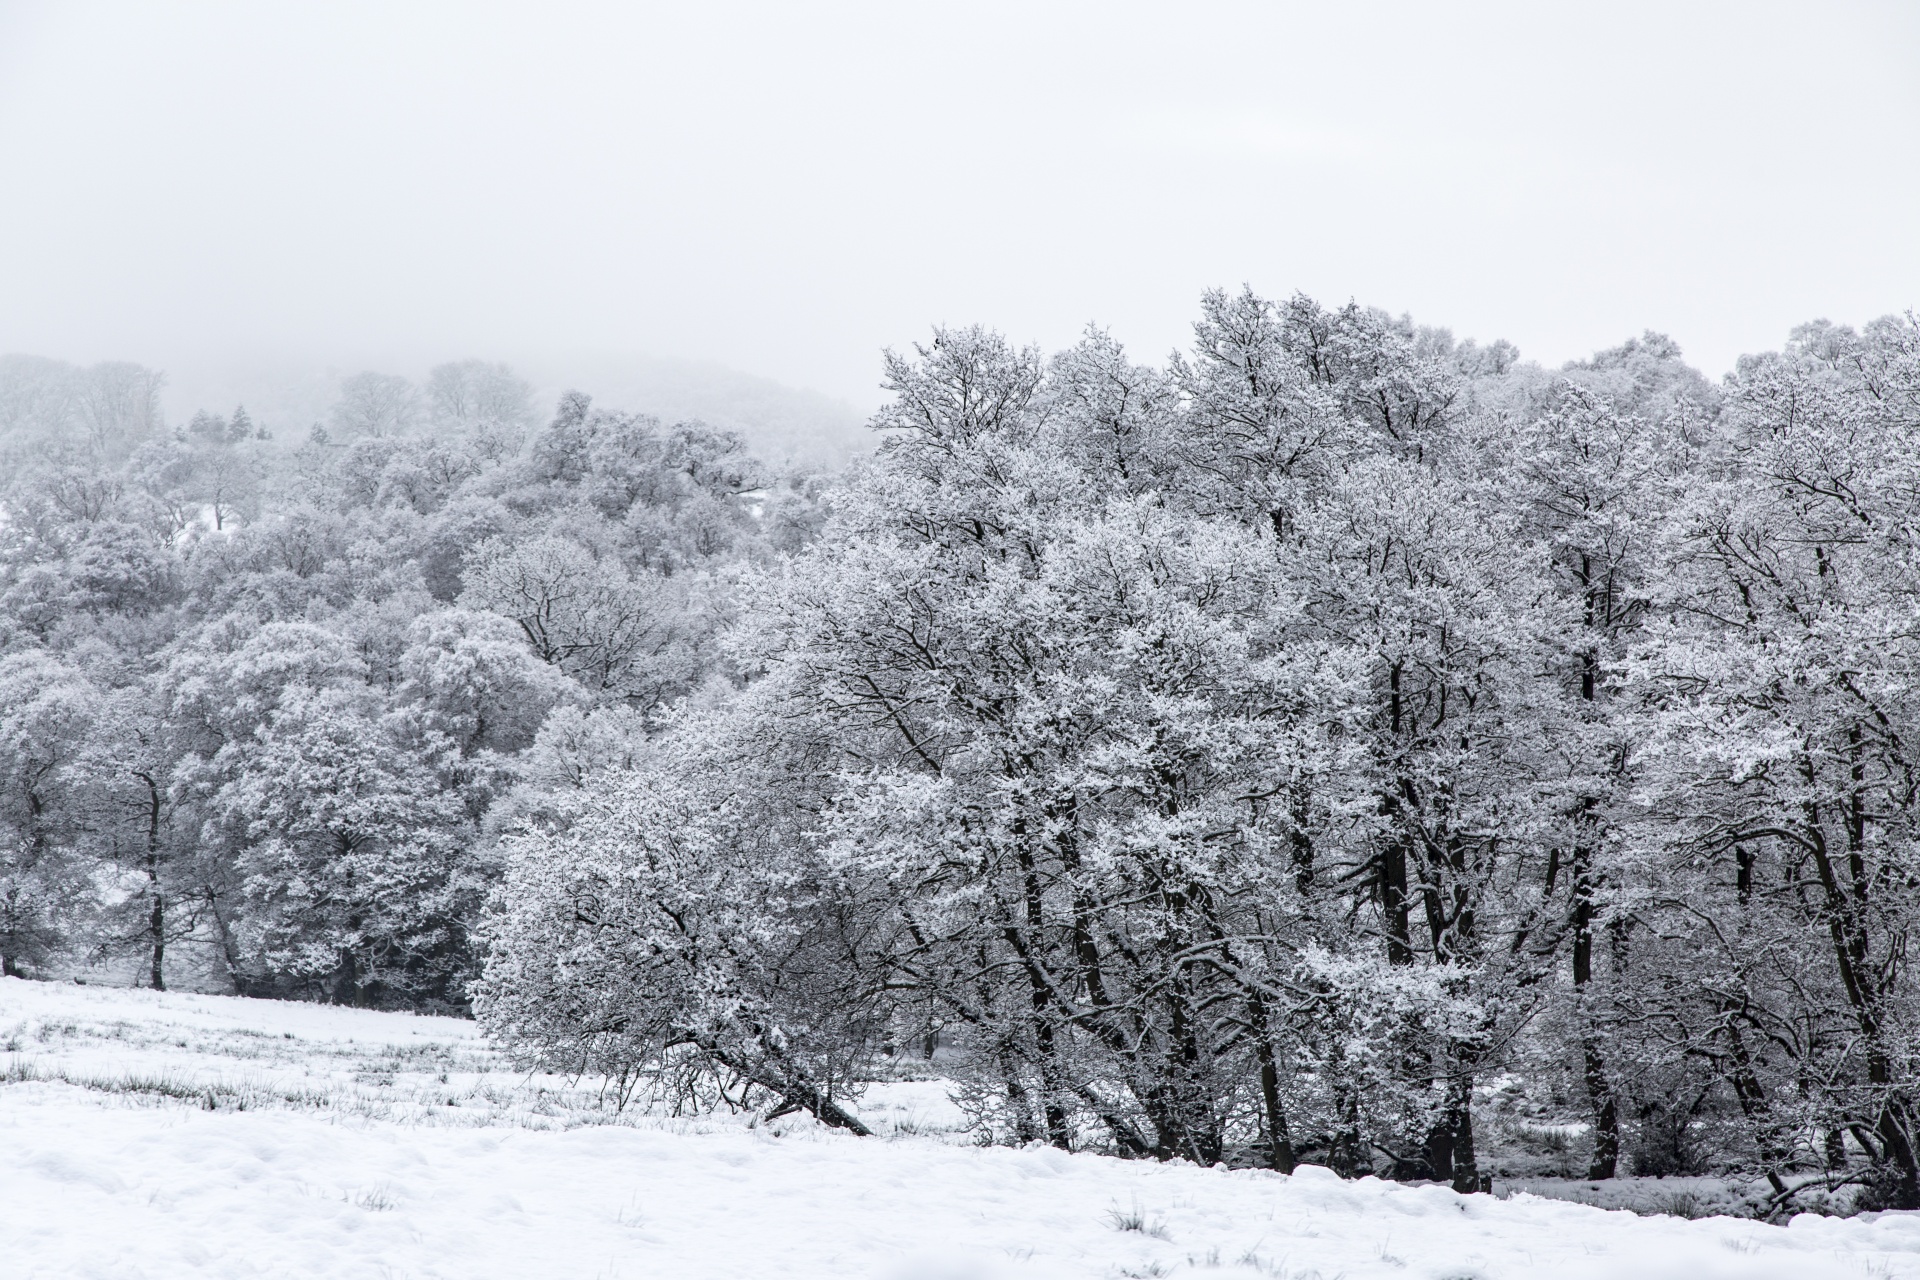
[[229, 948], [1753, 1105], [1600, 1097], [1606, 1116], [794, 1092], [1347, 1154], [1847, 913], [1394, 903], [346, 984], [157, 938], [1279, 1140], [1449, 1149], [156, 896]]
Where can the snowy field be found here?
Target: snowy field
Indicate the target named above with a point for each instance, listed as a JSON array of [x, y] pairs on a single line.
[[149, 1135]]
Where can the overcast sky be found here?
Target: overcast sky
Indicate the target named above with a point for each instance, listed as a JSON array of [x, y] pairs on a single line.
[[786, 188]]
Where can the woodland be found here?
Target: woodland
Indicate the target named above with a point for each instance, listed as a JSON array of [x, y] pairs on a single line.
[[1300, 751]]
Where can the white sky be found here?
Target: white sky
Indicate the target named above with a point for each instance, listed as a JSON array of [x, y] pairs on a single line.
[[785, 188]]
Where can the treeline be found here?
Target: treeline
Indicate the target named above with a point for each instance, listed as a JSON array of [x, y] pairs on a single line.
[[1259, 759], [261, 698], [1266, 757]]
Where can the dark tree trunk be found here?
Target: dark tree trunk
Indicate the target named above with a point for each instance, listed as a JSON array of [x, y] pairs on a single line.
[[1606, 1114], [1347, 1154], [1449, 1151], [346, 983], [1605, 1162], [1301, 841], [157, 935], [1600, 1097], [156, 895], [795, 1092], [1059, 1133], [1394, 902], [1279, 1140], [1753, 1105], [1847, 913], [1466, 1162]]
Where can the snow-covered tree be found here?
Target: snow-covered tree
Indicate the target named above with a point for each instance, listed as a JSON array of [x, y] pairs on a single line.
[[656, 929], [352, 851], [1782, 823], [623, 635], [48, 710]]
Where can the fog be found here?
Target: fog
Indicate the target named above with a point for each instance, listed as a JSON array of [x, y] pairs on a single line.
[[225, 189]]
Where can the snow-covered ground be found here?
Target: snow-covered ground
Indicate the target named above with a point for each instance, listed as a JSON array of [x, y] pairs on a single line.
[[148, 1135]]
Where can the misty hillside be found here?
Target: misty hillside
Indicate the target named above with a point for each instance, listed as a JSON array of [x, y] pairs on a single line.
[[778, 422]]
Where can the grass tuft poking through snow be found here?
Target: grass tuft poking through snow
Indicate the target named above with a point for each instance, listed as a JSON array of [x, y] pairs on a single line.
[[1135, 1220], [172, 1135]]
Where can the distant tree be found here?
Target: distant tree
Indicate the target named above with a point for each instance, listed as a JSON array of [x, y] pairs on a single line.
[[118, 406], [471, 679], [207, 428], [161, 472], [624, 636], [227, 480], [375, 404], [474, 395], [36, 400]]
